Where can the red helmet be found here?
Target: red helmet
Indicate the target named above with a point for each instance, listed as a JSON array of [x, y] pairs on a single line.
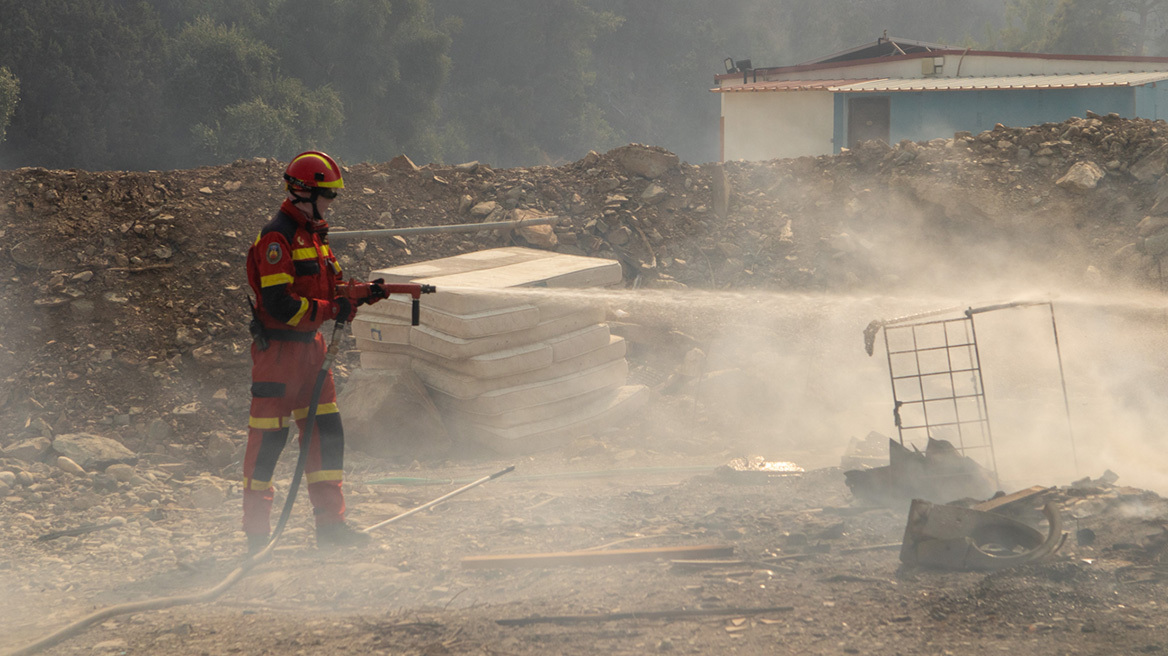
[[315, 172]]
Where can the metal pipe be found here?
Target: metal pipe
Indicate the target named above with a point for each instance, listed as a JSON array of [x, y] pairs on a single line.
[[1066, 399], [342, 235], [442, 498]]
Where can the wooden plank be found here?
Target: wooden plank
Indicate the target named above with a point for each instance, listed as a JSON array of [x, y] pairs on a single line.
[[607, 557], [643, 615], [994, 505]]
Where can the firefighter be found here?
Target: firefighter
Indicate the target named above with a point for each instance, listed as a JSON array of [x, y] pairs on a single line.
[[295, 276]]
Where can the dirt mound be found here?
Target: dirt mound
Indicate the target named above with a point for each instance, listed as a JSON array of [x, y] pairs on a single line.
[[127, 320], [127, 288]]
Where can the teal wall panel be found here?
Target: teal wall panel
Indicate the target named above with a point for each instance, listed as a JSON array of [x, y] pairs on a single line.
[[924, 115]]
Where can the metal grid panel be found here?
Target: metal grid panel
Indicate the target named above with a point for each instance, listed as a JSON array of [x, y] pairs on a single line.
[[937, 385]]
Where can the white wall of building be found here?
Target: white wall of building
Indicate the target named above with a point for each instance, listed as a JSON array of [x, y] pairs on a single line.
[[761, 126], [953, 64]]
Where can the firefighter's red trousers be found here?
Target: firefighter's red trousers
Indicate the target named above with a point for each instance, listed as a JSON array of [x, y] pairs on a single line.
[[282, 377]]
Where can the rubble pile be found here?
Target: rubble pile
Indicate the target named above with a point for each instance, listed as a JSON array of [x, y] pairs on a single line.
[[126, 289]]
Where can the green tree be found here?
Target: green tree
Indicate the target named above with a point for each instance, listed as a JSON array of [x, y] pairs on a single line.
[[227, 100], [385, 59], [88, 74], [287, 118], [9, 95], [1088, 27], [211, 67], [525, 88]]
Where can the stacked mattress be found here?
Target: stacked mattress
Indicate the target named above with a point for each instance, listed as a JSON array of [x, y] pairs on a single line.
[[510, 362]]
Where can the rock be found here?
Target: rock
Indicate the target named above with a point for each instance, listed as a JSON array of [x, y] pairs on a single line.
[[207, 495], [388, 413], [467, 167], [69, 467], [402, 163], [619, 236], [93, 451], [483, 210], [30, 450], [116, 644], [1081, 177], [7, 478], [206, 191], [1155, 245], [220, 450], [234, 185], [654, 194], [646, 161], [539, 236], [1150, 225], [1151, 167], [1160, 207], [120, 472], [720, 190]]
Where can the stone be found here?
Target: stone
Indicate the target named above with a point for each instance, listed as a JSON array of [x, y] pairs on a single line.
[[1150, 225], [1151, 167], [720, 190], [402, 163], [484, 209], [646, 161], [1081, 177], [121, 473], [654, 193], [539, 236], [93, 451], [8, 478], [207, 495], [69, 467], [389, 414], [467, 167], [620, 236], [30, 450], [220, 450]]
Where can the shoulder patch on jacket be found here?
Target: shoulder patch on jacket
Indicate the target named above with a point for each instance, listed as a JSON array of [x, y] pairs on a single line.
[[274, 252]]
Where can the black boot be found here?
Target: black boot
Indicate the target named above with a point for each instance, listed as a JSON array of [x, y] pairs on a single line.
[[256, 543], [341, 534]]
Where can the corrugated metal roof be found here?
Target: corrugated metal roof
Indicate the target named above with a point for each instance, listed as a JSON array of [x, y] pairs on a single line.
[[790, 85], [1062, 81]]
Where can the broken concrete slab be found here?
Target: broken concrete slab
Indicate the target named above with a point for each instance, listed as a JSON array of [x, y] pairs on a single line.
[[467, 386]]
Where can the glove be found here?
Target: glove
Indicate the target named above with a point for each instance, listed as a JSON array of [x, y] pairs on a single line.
[[343, 310], [377, 291]]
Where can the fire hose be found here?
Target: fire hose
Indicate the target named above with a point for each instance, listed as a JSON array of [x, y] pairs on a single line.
[[251, 561]]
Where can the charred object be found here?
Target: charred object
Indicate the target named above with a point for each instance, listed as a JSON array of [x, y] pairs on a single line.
[[939, 474]]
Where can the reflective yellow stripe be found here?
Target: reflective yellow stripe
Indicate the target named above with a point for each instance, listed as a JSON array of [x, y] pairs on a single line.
[[324, 250], [275, 279], [322, 409], [336, 266], [259, 236], [304, 254], [324, 475], [259, 486], [299, 315], [266, 423]]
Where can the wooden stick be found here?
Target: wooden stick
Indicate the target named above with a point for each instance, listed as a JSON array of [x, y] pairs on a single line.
[[645, 615], [596, 557]]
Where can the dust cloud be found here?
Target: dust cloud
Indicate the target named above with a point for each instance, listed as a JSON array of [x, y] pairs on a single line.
[[786, 375]]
